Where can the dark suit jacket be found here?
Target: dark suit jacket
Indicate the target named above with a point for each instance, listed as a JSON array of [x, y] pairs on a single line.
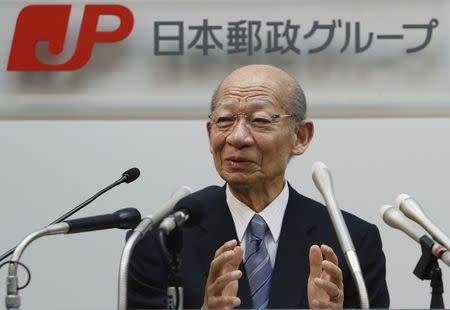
[[306, 222]]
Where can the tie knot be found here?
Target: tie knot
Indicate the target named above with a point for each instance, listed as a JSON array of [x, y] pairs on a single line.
[[258, 226]]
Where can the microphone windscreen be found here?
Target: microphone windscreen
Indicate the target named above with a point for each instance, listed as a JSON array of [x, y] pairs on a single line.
[[131, 175], [129, 218]]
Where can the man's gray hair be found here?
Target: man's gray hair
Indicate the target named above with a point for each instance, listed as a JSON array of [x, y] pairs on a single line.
[[295, 103]]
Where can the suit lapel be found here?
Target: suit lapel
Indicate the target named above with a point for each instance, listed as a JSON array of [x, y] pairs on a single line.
[[290, 274]]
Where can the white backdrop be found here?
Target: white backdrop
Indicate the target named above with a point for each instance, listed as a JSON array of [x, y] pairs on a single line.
[[49, 167]]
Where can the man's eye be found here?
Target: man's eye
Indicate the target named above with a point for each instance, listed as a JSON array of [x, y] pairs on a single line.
[[224, 120], [261, 121]]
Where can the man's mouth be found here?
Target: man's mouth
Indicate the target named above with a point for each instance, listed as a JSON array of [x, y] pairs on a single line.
[[238, 162]]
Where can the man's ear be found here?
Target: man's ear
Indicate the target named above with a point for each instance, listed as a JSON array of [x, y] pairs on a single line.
[[208, 128], [303, 136]]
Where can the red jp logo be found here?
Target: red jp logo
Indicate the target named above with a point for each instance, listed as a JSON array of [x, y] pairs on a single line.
[[50, 22]]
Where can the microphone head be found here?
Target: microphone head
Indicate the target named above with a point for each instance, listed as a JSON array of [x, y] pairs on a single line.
[[182, 216], [321, 175], [319, 165], [391, 216], [322, 178], [400, 198], [383, 210], [129, 218], [410, 208], [394, 218], [131, 175]]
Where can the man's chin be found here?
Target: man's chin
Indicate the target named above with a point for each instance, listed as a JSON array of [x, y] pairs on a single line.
[[239, 178]]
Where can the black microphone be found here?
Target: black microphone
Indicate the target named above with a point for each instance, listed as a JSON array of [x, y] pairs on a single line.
[[131, 174], [127, 218], [185, 216], [128, 176]]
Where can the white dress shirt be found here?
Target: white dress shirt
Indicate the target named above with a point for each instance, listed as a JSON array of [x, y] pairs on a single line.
[[272, 214]]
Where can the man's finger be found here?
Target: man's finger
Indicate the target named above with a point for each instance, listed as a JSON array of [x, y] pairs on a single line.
[[329, 287], [229, 245], [217, 287], [333, 271], [217, 265], [220, 302], [237, 257], [315, 261], [329, 254]]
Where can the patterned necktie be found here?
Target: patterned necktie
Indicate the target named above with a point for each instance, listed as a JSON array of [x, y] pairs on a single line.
[[257, 263]]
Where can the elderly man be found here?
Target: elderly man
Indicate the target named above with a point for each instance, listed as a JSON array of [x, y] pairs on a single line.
[[261, 244]]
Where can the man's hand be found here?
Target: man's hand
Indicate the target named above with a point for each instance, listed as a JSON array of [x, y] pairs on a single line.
[[222, 284], [325, 287]]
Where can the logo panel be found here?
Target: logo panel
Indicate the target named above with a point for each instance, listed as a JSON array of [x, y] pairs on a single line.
[[50, 22]]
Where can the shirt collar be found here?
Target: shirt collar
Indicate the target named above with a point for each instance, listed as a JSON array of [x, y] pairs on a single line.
[[272, 214]]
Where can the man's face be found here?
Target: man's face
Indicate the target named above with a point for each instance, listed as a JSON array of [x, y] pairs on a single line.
[[246, 155]]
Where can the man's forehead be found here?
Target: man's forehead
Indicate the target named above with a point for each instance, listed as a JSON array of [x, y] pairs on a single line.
[[257, 96], [253, 80], [258, 101]]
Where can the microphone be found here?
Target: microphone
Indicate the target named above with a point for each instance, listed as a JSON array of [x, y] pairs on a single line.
[[322, 179], [131, 174], [187, 216], [411, 208], [144, 226], [124, 219], [128, 176], [127, 218], [394, 218]]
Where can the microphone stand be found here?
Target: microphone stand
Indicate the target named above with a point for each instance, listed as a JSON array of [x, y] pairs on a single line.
[[427, 268], [12, 299], [172, 245]]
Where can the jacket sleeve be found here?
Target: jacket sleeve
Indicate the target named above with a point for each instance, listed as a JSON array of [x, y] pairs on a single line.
[[373, 266]]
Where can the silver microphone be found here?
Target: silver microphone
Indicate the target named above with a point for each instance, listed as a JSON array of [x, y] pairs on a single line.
[[324, 183], [146, 224], [411, 208], [394, 218]]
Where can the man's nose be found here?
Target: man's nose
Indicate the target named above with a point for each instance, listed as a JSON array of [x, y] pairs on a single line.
[[240, 135]]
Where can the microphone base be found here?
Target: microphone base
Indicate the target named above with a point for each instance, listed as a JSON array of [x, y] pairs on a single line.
[[427, 268]]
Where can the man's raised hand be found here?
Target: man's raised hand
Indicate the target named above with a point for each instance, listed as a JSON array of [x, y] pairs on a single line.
[[222, 283]]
